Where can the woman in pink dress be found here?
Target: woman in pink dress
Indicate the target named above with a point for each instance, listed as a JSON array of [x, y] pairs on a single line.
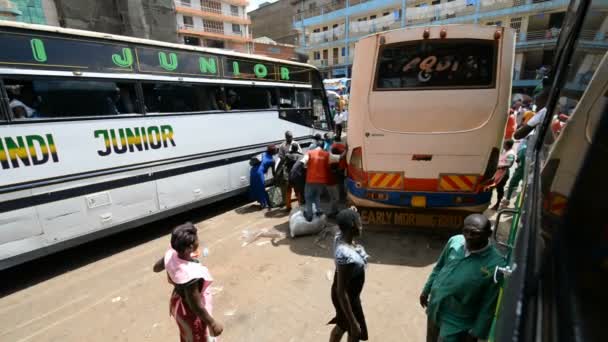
[[191, 301]]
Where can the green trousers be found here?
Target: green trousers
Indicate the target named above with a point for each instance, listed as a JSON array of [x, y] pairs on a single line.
[[517, 176]]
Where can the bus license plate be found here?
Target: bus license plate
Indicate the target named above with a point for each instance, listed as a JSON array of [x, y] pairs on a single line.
[[413, 219]]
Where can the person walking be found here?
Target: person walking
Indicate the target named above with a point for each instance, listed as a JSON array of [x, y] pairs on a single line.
[[505, 161], [350, 259], [518, 174], [338, 120], [460, 294], [191, 302], [257, 177]]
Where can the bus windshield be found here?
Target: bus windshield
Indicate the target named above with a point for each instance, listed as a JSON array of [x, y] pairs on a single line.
[[456, 63]]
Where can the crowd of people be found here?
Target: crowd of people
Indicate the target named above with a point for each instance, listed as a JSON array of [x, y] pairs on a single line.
[[460, 294], [523, 118], [321, 170]]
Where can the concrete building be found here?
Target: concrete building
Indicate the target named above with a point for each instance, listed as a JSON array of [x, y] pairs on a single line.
[[214, 23], [29, 11], [274, 20], [152, 19], [329, 28], [268, 47]]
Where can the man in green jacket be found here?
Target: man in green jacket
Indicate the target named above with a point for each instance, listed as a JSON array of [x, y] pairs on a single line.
[[460, 294]]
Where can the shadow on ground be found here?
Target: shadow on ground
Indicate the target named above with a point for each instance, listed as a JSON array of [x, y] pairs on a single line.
[[399, 246], [39, 270]]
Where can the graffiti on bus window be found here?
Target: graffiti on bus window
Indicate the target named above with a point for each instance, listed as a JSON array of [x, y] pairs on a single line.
[[440, 64]]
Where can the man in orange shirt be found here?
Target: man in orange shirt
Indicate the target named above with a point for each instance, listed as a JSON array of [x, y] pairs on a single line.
[[317, 177], [511, 125]]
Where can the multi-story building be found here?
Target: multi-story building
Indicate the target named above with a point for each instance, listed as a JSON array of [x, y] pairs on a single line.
[[214, 23], [268, 47], [274, 20], [29, 11], [329, 28], [144, 19]]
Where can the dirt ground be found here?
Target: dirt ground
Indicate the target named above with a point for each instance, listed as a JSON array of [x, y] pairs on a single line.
[[264, 291]]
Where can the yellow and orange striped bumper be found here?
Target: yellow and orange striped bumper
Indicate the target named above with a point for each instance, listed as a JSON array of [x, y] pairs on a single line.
[[458, 183], [385, 180]]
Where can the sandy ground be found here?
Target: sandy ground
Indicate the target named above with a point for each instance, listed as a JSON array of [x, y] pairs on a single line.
[[264, 291]]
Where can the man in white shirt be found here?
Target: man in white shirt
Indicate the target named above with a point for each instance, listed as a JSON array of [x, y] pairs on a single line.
[[19, 109], [338, 120]]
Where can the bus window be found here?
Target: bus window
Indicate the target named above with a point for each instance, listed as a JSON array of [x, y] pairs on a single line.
[[295, 105], [321, 115], [180, 98], [61, 98], [287, 98], [437, 64], [303, 98], [244, 98], [294, 98]]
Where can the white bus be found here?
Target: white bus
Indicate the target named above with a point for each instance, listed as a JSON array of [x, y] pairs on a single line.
[[100, 133], [427, 116]]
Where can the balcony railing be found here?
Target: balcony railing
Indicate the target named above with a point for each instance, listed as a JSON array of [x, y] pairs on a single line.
[[319, 62], [423, 14], [196, 5], [213, 30], [316, 11], [446, 10], [336, 33], [360, 28]]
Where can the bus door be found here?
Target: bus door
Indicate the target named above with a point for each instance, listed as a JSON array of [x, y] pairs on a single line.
[[322, 121]]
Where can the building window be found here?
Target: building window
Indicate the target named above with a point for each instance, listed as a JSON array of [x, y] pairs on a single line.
[[236, 28], [344, 51], [219, 44], [516, 24], [213, 26], [234, 10], [436, 2], [325, 28], [211, 6], [192, 41], [385, 14], [188, 22], [316, 55], [312, 6], [316, 30], [362, 19], [372, 17]]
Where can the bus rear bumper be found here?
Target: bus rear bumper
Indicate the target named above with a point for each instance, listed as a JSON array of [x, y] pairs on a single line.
[[474, 202]]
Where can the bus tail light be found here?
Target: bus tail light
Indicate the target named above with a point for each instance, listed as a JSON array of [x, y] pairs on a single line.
[[555, 204], [355, 167]]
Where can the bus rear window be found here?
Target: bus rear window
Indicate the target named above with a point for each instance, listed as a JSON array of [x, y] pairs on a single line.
[[428, 64]]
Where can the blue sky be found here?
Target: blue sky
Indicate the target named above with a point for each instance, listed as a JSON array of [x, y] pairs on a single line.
[[253, 4]]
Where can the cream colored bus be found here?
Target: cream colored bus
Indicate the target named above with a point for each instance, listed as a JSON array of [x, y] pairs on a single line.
[[428, 109]]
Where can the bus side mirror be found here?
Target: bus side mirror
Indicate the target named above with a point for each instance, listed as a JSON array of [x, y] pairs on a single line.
[[502, 230]]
